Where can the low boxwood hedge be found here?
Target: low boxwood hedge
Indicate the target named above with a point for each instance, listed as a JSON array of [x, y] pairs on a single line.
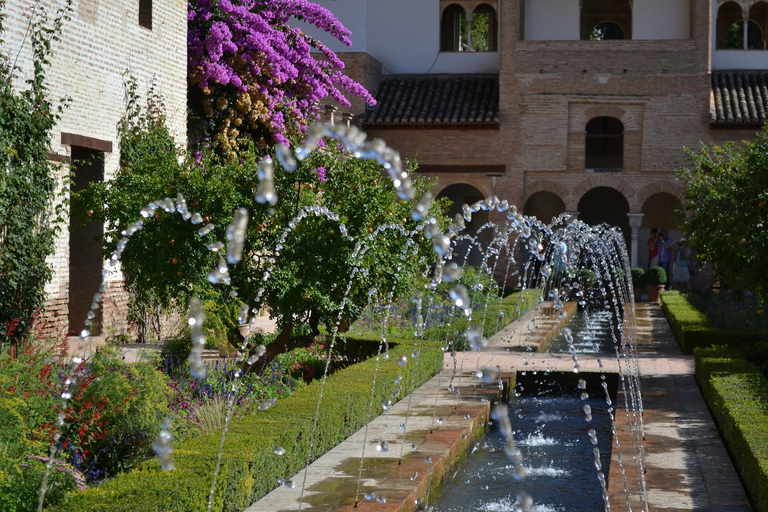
[[692, 329], [737, 394], [249, 468]]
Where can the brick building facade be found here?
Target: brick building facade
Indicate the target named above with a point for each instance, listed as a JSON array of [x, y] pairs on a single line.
[[103, 40], [596, 99]]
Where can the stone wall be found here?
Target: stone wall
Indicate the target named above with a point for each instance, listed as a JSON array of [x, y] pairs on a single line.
[[101, 42]]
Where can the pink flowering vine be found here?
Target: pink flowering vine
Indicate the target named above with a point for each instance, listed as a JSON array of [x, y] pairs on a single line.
[[251, 73]]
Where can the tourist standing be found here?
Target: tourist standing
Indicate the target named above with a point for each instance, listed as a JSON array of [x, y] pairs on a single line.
[[681, 275], [664, 247], [653, 250]]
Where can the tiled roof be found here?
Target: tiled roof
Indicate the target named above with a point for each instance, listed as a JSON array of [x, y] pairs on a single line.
[[739, 97], [446, 101]]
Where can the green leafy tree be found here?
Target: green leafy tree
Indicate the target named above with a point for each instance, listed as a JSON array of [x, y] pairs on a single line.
[[28, 222], [170, 261], [726, 209]]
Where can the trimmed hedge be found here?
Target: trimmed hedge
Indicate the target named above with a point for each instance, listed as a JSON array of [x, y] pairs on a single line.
[[693, 330], [737, 394], [249, 468]]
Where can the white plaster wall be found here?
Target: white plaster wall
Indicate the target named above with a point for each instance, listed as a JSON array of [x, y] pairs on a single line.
[[551, 20], [739, 59], [661, 19], [466, 62], [404, 35], [352, 14]]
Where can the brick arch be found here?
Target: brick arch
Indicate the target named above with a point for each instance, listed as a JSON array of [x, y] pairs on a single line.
[[627, 118], [484, 185], [554, 187], [609, 180], [661, 186]]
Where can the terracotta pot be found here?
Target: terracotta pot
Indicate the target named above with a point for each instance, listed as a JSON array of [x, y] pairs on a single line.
[[638, 294], [653, 293]]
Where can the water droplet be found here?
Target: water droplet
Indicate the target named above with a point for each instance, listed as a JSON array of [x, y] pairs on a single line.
[[386, 404], [428, 460], [402, 360], [381, 499], [369, 496], [279, 450], [266, 404], [441, 420], [451, 272], [205, 229], [382, 446], [290, 484], [398, 379]]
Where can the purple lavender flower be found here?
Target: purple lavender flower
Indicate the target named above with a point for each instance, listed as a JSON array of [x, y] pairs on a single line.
[[321, 174]]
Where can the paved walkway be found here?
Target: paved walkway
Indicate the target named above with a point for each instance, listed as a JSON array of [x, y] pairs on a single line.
[[687, 466]]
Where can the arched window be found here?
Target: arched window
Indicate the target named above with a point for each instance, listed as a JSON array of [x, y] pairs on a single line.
[[605, 31], [604, 149], [606, 19], [484, 38], [453, 29], [730, 34]]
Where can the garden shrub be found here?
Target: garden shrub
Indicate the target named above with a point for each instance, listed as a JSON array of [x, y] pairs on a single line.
[[638, 278], [22, 463], [737, 395], [692, 328], [497, 316], [249, 467], [656, 276], [116, 412]]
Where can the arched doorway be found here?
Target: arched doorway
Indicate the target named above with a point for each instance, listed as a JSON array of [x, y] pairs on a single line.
[[544, 206], [460, 194], [659, 211], [606, 205]]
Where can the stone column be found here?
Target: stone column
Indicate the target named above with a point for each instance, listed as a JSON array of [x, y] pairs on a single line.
[[330, 113], [635, 221], [346, 118]]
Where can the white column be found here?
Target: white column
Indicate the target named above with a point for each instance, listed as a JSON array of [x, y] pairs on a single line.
[[635, 221]]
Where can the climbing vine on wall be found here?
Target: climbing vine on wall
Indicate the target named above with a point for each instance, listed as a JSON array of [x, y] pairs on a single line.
[[28, 217]]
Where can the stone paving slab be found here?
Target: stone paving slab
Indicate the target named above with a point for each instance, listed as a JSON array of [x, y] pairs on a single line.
[[687, 465]]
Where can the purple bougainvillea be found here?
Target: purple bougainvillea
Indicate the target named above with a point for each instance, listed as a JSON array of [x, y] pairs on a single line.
[[252, 74]]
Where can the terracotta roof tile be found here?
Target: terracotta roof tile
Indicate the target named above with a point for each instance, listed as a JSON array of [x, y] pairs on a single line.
[[739, 97], [444, 101]]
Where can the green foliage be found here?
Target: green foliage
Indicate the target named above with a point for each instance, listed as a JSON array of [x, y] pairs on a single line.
[[304, 363], [726, 206], [638, 278], [308, 278], [656, 276], [737, 395], [29, 214], [28, 407], [249, 467], [497, 316], [693, 329], [130, 401]]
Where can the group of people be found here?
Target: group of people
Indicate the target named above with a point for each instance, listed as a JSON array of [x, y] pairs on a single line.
[[672, 256]]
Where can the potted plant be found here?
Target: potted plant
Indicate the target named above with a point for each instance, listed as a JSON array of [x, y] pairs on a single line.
[[638, 283], [655, 279]]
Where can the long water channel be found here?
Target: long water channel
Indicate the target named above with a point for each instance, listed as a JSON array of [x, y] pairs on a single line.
[[551, 431]]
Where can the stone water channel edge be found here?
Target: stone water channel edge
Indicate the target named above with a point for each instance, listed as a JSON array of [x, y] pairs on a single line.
[[688, 467]]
